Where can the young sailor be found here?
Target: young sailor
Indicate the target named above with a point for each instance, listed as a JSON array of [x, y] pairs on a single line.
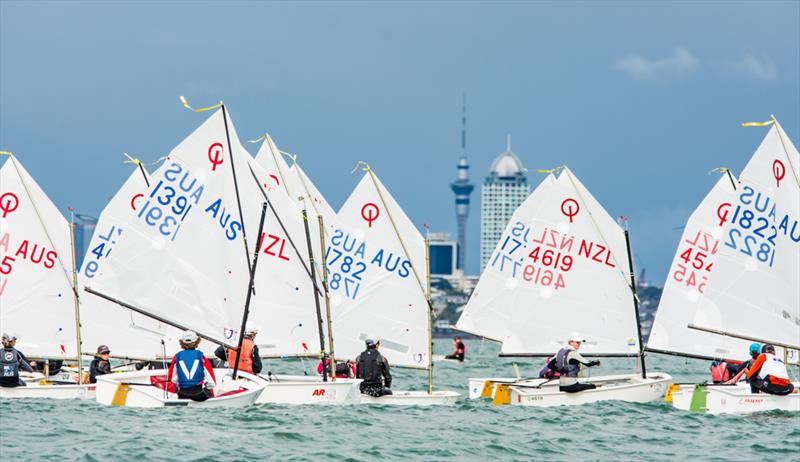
[[100, 364], [768, 374], [346, 370], [373, 367], [459, 349], [191, 371], [568, 364], [754, 350], [250, 359], [12, 361]]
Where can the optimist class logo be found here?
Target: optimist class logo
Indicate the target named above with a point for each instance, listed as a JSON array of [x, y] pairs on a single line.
[[8, 203], [370, 212], [722, 212], [215, 155], [779, 171], [570, 208]]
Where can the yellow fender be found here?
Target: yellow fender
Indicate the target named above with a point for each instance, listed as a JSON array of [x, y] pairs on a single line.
[[502, 395], [488, 387], [673, 387], [120, 395]]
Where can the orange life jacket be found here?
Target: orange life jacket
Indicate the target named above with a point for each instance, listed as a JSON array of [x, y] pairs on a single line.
[[246, 361]]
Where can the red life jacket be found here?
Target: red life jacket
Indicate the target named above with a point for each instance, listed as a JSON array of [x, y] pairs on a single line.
[[719, 372]]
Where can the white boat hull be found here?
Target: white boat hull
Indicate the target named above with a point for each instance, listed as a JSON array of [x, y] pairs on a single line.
[[312, 391], [50, 390], [414, 398], [134, 389], [732, 399], [627, 387]]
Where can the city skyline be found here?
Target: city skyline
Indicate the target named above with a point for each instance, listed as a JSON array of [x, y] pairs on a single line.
[[640, 109]]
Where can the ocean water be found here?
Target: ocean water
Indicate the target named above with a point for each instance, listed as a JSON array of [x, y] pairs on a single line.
[[472, 430]]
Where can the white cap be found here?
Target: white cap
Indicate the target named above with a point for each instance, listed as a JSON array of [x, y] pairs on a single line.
[[189, 337], [9, 336], [251, 329], [576, 337]]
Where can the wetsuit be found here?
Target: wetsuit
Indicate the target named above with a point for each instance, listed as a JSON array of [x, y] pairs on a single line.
[[343, 370], [460, 351], [99, 366], [568, 364], [374, 369], [11, 361]]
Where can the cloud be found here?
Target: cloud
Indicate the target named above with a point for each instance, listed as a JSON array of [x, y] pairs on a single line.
[[679, 64], [757, 68]]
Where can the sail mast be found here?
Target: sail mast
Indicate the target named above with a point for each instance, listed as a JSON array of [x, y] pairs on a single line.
[[236, 185], [77, 300], [327, 295], [250, 289], [430, 313], [316, 296], [635, 303]]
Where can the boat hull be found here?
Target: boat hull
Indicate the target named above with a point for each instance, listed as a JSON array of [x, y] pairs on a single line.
[[626, 387], [311, 391], [134, 389], [414, 398], [731, 399], [50, 390]]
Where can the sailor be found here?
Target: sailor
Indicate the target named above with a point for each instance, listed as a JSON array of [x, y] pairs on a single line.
[[769, 374], [373, 368], [568, 364], [191, 371], [100, 364], [345, 370], [12, 361], [250, 359], [459, 349], [754, 350]]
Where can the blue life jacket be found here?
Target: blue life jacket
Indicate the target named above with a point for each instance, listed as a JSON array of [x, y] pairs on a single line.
[[189, 367]]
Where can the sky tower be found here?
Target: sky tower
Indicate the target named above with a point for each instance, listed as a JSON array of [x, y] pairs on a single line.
[[462, 189]]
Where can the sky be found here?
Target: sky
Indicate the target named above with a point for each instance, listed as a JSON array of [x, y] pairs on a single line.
[[640, 99]]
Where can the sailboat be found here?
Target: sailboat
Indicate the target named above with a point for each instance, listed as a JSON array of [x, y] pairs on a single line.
[[38, 302], [376, 262], [752, 294], [288, 290], [560, 266], [185, 260]]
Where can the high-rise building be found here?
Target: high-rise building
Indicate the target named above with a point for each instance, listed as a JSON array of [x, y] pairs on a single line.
[[443, 254], [462, 189], [502, 192]]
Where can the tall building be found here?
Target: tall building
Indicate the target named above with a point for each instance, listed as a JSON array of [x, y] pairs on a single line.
[[443, 254], [462, 189], [502, 192]]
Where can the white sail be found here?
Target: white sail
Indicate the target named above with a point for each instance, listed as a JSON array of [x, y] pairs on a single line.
[[183, 257], [284, 304], [127, 333], [692, 267], [36, 295], [375, 292], [754, 288], [560, 266], [187, 263], [313, 197]]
